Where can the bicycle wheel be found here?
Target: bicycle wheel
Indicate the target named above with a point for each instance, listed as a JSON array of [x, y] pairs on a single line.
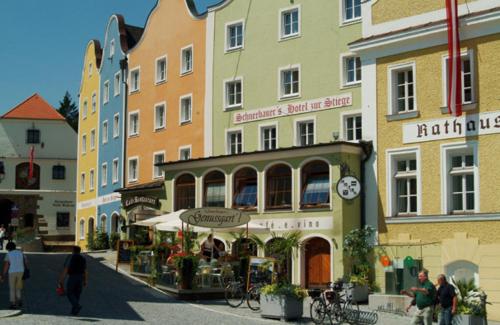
[[253, 298], [318, 311], [350, 312], [234, 295]]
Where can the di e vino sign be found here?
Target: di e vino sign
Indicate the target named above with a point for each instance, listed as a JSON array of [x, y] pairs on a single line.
[[452, 127], [215, 217]]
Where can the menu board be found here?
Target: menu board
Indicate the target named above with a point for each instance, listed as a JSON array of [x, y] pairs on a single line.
[[260, 270], [123, 251]]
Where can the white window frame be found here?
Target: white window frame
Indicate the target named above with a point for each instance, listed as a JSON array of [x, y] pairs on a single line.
[[227, 143], [296, 132], [117, 81], [82, 183], [105, 95], [392, 156], [343, 16], [183, 70], [447, 150], [132, 73], [225, 94], [132, 180], [130, 134], [444, 72], [343, 123], [183, 148], [115, 171], [91, 180], [392, 71], [82, 229], [181, 98], [85, 108], [116, 126], [343, 70], [94, 102], [227, 47], [159, 81], [281, 28], [261, 128], [84, 144], [105, 131], [157, 153], [104, 174], [112, 48], [92, 139], [161, 127], [281, 71]]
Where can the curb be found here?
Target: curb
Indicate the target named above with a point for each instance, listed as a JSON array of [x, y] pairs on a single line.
[[10, 313]]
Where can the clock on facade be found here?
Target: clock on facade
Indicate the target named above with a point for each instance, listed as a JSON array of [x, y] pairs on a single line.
[[349, 187]]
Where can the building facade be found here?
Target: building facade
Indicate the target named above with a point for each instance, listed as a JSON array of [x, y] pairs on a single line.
[[436, 194], [37, 140]]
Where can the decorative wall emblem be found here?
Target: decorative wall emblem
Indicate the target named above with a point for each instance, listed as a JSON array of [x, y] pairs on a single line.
[[349, 187]]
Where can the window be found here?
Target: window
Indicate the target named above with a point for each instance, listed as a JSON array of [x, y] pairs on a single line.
[[133, 171], [158, 158], [468, 95], [32, 136], [268, 138], [186, 106], [352, 70], [462, 182], [58, 172], [104, 174], [279, 187], [352, 10], [315, 185], [116, 126], [185, 192], [62, 219], [91, 180], [234, 35], [92, 140], [135, 81], [290, 85], [90, 69], [402, 89], [115, 171], [406, 186], [352, 126], [305, 133], [84, 109], [187, 60], [84, 144], [133, 126], [105, 96], [94, 102], [117, 84], [234, 143], [233, 94], [245, 189], [111, 48], [290, 23], [82, 183], [82, 229], [185, 153], [214, 189], [161, 70], [160, 115], [103, 223], [105, 132]]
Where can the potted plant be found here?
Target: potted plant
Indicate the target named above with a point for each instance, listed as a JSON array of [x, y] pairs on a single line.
[[187, 266], [471, 307], [358, 246]]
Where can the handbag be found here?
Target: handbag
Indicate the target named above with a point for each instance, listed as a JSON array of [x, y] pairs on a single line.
[[26, 273], [60, 290]]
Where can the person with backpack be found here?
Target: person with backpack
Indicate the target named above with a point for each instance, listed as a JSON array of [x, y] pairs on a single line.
[[75, 268], [15, 263]]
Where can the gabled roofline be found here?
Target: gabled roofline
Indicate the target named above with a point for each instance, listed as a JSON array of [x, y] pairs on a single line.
[[98, 59], [61, 118]]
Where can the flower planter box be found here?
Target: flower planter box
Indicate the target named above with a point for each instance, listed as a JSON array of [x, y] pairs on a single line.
[[359, 293], [280, 307], [467, 320]]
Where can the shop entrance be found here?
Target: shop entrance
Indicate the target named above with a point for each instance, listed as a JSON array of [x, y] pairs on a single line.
[[318, 265]]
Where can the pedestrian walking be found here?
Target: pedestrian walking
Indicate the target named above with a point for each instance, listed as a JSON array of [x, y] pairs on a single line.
[[2, 235], [75, 268], [15, 263], [447, 300], [424, 296]]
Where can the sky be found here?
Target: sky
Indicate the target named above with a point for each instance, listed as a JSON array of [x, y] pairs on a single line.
[[43, 43]]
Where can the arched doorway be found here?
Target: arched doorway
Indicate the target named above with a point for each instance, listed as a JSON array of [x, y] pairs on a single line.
[[317, 262], [218, 243], [91, 227], [115, 223], [29, 220], [273, 249]]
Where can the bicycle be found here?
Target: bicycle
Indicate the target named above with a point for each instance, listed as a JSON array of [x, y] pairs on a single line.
[[336, 303], [235, 294]]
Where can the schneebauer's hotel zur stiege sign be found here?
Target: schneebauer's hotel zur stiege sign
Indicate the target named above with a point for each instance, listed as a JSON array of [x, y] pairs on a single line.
[[452, 127]]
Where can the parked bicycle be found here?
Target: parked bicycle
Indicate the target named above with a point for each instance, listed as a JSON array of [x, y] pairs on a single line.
[[336, 303], [235, 293]]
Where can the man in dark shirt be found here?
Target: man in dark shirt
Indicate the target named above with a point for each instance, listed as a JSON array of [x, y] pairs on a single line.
[[447, 299], [75, 267]]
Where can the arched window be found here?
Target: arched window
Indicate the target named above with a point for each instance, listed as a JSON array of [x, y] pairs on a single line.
[[245, 189], [279, 187], [115, 219], [23, 179], [91, 226], [185, 192], [214, 189], [315, 185], [463, 271], [103, 223], [82, 229]]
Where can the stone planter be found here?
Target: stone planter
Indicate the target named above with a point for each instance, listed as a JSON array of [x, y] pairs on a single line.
[[467, 320], [280, 307], [359, 293]]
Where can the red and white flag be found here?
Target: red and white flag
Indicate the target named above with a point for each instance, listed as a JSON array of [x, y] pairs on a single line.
[[32, 157], [454, 61]]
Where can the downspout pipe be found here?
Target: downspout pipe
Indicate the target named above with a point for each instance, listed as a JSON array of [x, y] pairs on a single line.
[[368, 150], [124, 68]]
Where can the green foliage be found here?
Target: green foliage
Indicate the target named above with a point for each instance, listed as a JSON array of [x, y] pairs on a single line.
[[179, 264], [90, 241], [471, 299], [358, 246], [289, 290], [114, 237], [281, 248], [101, 240], [69, 110]]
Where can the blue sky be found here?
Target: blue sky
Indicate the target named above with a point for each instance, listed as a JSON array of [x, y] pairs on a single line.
[[43, 43]]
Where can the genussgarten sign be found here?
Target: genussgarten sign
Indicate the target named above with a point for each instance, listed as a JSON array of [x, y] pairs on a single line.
[[215, 217]]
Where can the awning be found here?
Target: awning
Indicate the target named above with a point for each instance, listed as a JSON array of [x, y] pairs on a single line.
[[164, 218]]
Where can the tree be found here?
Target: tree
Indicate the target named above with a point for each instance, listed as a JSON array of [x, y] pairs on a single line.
[[69, 110]]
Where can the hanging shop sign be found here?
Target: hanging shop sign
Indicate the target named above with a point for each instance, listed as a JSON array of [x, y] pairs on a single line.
[[215, 217], [313, 105], [349, 187], [146, 200]]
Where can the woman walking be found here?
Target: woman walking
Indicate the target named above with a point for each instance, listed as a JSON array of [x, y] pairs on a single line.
[[14, 264]]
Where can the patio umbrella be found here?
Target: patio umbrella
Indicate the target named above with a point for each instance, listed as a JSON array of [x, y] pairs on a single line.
[[160, 219], [174, 225]]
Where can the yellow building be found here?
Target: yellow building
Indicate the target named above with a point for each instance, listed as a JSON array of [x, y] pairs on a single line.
[[434, 177], [87, 143]]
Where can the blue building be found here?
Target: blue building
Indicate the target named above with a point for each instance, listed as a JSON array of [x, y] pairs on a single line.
[[119, 38]]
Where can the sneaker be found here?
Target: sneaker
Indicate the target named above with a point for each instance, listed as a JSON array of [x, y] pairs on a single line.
[[12, 306]]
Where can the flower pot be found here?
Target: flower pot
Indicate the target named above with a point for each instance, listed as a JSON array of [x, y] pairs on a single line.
[[359, 293], [280, 307], [461, 319]]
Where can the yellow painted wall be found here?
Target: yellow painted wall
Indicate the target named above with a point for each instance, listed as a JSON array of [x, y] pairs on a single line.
[[384, 10]]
